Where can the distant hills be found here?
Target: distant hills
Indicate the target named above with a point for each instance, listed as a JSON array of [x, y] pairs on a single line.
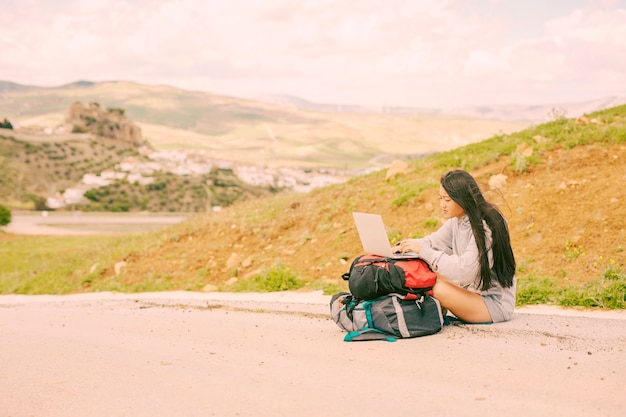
[[511, 112], [300, 103], [7, 86], [539, 113], [279, 131]]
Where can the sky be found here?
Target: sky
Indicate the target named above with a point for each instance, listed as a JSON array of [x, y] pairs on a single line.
[[432, 53]]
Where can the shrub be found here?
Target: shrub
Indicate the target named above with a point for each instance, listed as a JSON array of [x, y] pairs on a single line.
[[535, 290], [116, 110], [609, 291], [278, 277], [38, 201], [5, 216], [6, 124]]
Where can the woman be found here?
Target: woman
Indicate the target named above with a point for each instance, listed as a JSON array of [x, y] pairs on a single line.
[[471, 253]]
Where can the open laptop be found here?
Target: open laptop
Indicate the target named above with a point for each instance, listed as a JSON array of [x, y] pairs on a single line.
[[374, 236]]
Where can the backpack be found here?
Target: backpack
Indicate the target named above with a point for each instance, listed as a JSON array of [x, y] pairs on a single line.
[[371, 276], [386, 318]]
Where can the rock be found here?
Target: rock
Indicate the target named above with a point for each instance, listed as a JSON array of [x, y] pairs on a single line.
[[118, 267], [396, 168], [231, 281], [209, 288], [524, 149], [233, 261], [252, 273], [247, 262], [497, 181]]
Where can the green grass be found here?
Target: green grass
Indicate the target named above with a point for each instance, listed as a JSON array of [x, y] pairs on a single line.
[[478, 154], [277, 277], [63, 265], [60, 265], [565, 133], [536, 290], [607, 292], [407, 192]]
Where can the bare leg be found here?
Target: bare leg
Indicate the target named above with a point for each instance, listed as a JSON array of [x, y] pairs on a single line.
[[464, 304]]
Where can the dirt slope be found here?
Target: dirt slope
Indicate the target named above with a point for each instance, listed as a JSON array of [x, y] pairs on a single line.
[[566, 216]]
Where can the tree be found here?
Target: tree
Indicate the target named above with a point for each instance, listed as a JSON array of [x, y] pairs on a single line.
[[5, 216], [6, 124]]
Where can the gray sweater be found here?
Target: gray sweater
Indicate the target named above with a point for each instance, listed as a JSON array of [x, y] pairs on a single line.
[[452, 252]]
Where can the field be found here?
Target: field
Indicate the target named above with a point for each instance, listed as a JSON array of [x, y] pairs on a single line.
[[563, 198]]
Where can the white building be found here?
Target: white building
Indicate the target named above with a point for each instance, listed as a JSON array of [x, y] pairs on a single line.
[[95, 180]]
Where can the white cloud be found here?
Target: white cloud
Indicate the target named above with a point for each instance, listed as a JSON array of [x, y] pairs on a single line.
[[481, 62], [397, 52], [579, 58]]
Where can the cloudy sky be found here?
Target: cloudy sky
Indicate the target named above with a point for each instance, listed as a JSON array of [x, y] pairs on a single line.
[[427, 53]]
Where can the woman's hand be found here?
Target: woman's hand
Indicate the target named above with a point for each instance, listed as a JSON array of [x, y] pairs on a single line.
[[407, 245]]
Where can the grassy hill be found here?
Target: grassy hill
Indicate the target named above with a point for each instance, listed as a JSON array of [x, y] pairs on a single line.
[[564, 197], [252, 131], [33, 167]]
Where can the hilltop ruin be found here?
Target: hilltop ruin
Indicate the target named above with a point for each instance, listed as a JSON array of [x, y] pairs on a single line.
[[107, 122]]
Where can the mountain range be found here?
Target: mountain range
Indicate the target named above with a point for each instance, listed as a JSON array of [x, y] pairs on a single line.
[[506, 112]]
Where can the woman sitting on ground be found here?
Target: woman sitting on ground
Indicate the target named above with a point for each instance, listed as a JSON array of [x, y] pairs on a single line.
[[471, 253]]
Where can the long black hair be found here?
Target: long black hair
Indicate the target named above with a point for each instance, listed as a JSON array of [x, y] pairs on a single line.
[[463, 190]]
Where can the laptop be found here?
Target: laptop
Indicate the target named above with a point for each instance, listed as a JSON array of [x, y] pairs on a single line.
[[374, 236]]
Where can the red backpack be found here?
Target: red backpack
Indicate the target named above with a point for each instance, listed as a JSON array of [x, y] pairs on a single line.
[[372, 276]]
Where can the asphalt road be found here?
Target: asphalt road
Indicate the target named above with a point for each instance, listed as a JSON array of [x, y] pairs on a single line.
[[194, 354], [79, 223]]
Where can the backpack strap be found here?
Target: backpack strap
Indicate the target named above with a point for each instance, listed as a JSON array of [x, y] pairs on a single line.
[[350, 303], [367, 333]]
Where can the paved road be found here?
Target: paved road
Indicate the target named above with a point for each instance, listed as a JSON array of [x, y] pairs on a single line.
[[78, 223], [192, 354]]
